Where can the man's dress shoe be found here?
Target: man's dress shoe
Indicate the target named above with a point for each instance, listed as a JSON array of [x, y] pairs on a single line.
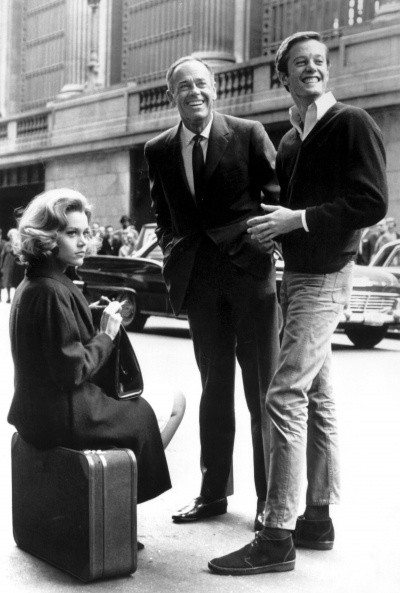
[[198, 509]]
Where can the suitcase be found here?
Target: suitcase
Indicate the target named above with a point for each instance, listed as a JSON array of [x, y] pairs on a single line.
[[76, 509]]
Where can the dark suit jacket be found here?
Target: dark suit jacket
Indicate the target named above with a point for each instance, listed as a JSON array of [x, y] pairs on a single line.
[[108, 248], [56, 354], [239, 166]]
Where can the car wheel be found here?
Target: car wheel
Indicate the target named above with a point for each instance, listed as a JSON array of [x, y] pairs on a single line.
[[365, 337], [132, 319]]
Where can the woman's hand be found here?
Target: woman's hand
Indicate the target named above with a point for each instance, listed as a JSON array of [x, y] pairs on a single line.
[[102, 302], [111, 319]]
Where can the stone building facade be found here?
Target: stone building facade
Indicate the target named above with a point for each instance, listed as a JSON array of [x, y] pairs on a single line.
[[83, 84]]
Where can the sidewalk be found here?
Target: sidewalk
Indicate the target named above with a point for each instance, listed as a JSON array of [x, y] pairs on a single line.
[[175, 556]]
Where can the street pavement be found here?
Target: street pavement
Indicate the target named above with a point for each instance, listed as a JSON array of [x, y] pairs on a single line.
[[366, 556]]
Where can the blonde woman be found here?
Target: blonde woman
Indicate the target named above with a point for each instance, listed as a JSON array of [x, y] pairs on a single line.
[[127, 248], [57, 352]]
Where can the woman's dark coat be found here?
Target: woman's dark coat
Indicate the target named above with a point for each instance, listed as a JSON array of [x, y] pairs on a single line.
[[12, 272], [56, 352]]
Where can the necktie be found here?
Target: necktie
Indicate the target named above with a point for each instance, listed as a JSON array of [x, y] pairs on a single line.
[[198, 167]]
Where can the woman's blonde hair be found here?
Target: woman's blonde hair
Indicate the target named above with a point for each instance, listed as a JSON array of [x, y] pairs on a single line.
[[40, 222]]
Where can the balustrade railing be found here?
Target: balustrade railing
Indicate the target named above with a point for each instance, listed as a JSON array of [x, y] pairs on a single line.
[[32, 125], [230, 84], [234, 83], [153, 99]]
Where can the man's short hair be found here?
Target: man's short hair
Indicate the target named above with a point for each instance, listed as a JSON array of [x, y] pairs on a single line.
[[180, 61], [282, 55]]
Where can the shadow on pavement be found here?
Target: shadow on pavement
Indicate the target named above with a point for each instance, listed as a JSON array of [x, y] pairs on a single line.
[[171, 332]]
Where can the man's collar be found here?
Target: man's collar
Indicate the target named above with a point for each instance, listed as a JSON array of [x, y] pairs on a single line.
[[321, 105], [295, 119], [187, 135]]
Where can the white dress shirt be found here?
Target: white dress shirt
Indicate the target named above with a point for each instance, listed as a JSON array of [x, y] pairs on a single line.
[[314, 113], [187, 149]]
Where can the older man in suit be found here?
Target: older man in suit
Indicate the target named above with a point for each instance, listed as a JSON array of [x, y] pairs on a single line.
[[207, 175]]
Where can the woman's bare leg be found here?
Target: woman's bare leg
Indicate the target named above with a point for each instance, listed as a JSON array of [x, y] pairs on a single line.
[[178, 410]]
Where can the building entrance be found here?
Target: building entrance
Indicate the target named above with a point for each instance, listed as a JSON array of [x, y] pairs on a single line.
[[140, 190], [17, 187]]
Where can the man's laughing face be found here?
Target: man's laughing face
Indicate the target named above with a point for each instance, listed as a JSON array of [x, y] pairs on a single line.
[[193, 93], [308, 71]]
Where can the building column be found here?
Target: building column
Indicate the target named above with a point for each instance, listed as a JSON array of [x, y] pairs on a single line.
[[388, 10], [93, 64], [5, 20], [76, 48], [214, 31]]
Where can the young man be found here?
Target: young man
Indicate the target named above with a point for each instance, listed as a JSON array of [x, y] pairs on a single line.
[[331, 169], [206, 177]]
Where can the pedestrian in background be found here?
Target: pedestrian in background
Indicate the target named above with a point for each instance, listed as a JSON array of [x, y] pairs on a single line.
[[389, 234], [125, 222], [331, 170], [12, 272], [95, 239], [110, 244], [2, 245], [206, 178], [391, 228], [127, 248], [2, 242], [126, 225], [366, 248]]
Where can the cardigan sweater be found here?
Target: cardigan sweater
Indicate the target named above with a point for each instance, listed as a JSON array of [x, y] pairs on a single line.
[[337, 174]]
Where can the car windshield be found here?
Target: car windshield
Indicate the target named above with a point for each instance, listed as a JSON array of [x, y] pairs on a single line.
[[155, 253], [388, 255], [394, 259]]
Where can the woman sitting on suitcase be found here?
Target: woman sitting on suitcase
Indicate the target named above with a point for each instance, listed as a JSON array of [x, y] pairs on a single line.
[[57, 351]]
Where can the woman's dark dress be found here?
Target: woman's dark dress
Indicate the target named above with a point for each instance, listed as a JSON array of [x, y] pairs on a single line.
[[56, 351]]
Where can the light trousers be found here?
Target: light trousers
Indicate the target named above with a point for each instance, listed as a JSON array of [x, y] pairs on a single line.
[[300, 403]]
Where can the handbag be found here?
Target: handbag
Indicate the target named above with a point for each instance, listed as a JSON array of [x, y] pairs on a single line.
[[120, 377]]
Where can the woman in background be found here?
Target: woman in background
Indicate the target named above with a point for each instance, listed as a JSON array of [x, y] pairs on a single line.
[[11, 271], [127, 248]]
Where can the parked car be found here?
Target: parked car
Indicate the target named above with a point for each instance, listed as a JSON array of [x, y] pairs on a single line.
[[388, 257], [374, 305]]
